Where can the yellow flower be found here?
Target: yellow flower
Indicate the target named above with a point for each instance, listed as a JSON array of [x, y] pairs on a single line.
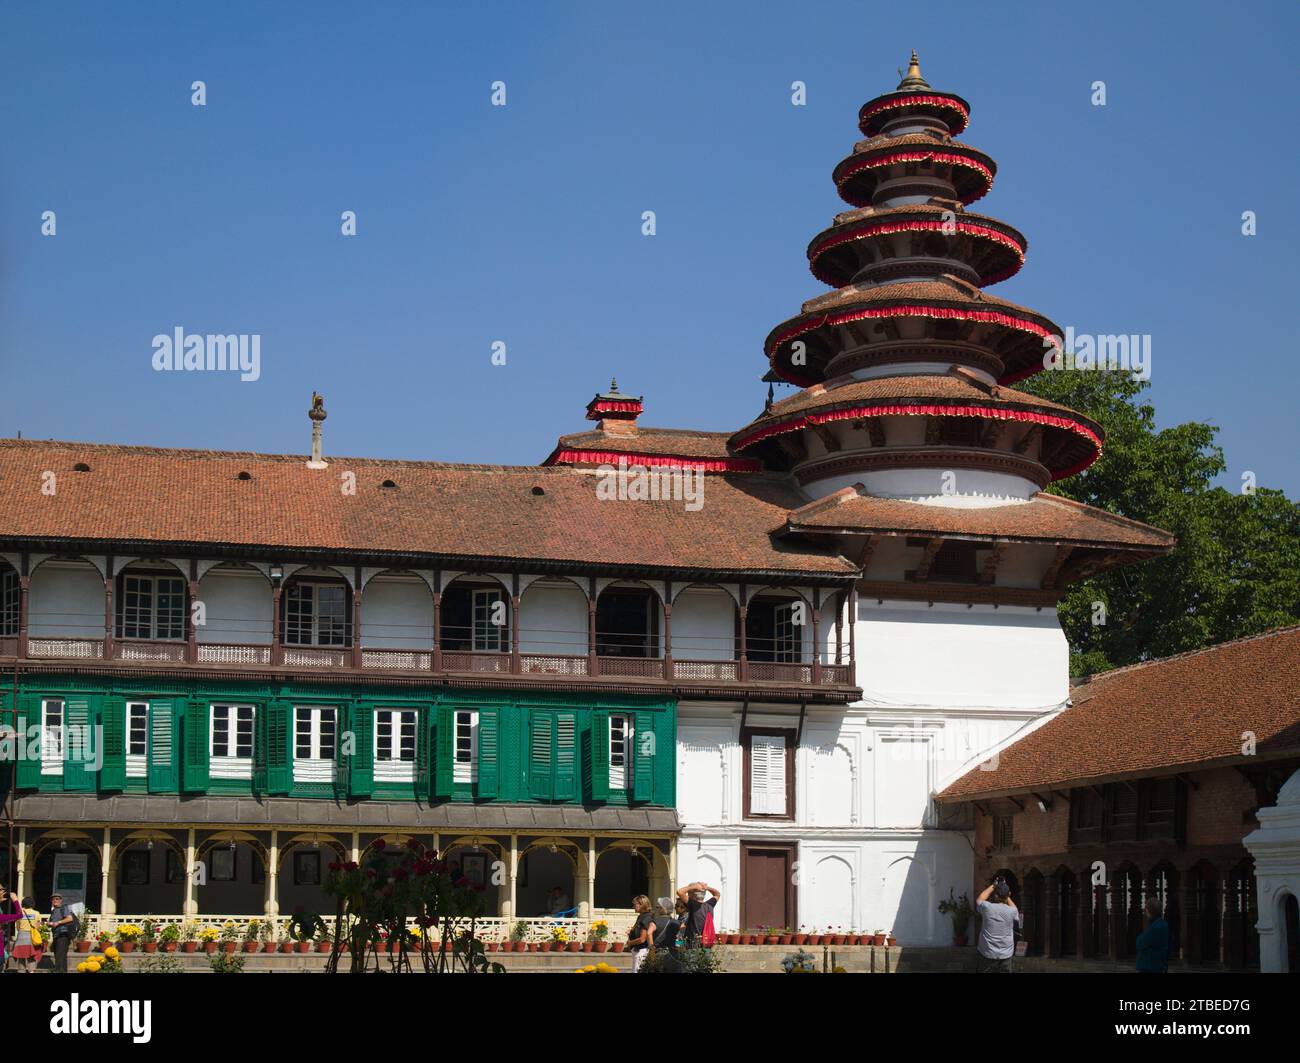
[[112, 953], [81, 967]]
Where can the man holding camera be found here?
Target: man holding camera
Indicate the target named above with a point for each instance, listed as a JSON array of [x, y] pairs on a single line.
[[998, 917]]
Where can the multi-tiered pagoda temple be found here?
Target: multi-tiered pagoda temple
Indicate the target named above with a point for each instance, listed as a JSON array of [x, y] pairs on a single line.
[[907, 420]]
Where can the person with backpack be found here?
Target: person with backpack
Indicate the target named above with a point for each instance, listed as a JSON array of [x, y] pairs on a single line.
[[699, 923], [1153, 942], [27, 945], [63, 928]]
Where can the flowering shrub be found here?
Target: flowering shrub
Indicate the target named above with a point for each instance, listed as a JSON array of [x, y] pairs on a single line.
[[599, 930], [389, 888], [559, 935], [128, 932], [597, 968], [109, 963], [209, 933]]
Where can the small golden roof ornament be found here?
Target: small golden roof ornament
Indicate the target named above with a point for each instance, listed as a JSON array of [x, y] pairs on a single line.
[[913, 80]]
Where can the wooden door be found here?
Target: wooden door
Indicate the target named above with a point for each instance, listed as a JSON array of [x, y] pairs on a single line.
[[767, 884]]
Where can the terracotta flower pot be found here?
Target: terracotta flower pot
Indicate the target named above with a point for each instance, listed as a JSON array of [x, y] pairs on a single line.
[[839, 939], [785, 939], [576, 946], [83, 946], [126, 946], [191, 946], [150, 946], [531, 946], [209, 946], [169, 946], [302, 946], [771, 939], [891, 941], [617, 946], [801, 939], [588, 946], [250, 946], [286, 946], [600, 946], [324, 946]]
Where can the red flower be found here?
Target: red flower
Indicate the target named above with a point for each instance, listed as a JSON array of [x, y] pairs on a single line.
[[422, 867], [335, 865], [351, 865]]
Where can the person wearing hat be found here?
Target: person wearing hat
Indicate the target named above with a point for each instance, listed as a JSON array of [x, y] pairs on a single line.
[[998, 917], [63, 925]]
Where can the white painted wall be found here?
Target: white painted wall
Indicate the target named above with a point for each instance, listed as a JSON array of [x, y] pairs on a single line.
[[66, 600], [238, 607], [397, 613], [704, 625], [948, 655], [553, 618]]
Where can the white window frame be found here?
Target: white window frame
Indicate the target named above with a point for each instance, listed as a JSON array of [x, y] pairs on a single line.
[[621, 734], [292, 627], [137, 764], [787, 636], [52, 740], [767, 781], [316, 766], [464, 753], [390, 764], [226, 764], [495, 636], [147, 584], [10, 601]]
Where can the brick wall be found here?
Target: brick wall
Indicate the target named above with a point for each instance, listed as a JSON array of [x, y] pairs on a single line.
[[1215, 808]]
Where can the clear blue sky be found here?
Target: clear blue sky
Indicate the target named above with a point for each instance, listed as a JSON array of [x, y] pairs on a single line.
[[522, 223]]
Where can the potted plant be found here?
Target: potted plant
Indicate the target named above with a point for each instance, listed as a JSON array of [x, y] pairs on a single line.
[[83, 936], [785, 936], [252, 935], [208, 938], [890, 940], [617, 946], [149, 936], [169, 935], [268, 935], [229, 936], [960, 910], [127, 935], [189, 937], [599, 933], [325, 940]]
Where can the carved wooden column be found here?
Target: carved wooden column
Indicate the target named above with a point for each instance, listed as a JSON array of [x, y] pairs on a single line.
[[515, 663], [108, 607], [277, 649], [593, 664], [436, 662], [191, 629], [668, 629], [356, 618], [817, 637], [853, 626], [744, 619]]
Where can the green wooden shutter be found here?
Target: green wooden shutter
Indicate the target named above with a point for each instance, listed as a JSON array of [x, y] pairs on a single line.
[[443, 747], [489, 752], [29, 751], [279, 735], [164, 757], [361, 761], [79, 745], [541, 770], [566, 756], [598, 755], [341, 730], [261, 720], [643, 756], [112, 773], [196, 741]]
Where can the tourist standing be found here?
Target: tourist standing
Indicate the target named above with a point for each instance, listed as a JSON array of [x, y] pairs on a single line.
[[1153, 942], [27, 945], [63, 925], [998, 917], [642, 934], [699, 912]]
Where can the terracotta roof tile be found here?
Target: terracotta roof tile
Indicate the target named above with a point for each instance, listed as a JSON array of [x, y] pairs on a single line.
[[483, 511], [1179, 712]]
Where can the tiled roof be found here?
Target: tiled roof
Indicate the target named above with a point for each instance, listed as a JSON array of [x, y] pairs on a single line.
[[1046, 518], [479, 511], [943, 291], [667, 442], [1187, 711]]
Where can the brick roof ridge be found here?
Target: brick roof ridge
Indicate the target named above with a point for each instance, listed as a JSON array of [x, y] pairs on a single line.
[[1127, 669], [202, 454], [835, 498], [1106, 514]]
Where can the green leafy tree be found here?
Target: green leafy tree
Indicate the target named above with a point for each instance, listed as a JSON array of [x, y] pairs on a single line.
[[1236, 568]]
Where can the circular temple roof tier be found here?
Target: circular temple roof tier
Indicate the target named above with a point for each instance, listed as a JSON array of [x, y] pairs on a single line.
[[950, 109], [929, 311], [925, 158], [869, 244]]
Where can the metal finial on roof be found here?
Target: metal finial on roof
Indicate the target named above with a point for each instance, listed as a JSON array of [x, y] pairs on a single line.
[[771, 395], [913, 79], [613, 385]]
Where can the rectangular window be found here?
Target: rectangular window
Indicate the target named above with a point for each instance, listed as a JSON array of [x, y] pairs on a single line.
[[314, 743], [490, 632], [315, 614], [232, 742], [9, 598], [620, 748], [153, 607], [1003, 832], [137, 739], [769, 778], [52, 719], [465, 755], [786, 649], [395, 745]]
